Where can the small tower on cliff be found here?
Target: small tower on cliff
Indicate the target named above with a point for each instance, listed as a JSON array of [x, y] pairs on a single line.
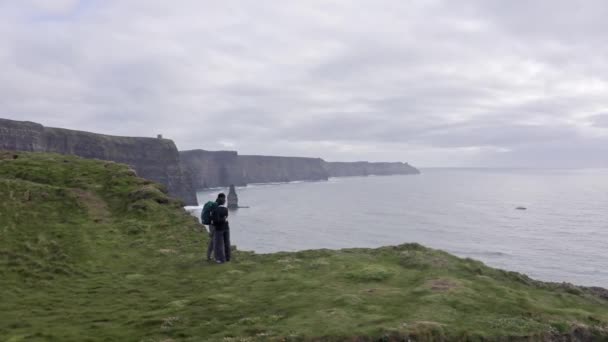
[[233, 199]]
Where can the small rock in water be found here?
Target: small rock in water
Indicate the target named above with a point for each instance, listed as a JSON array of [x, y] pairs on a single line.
[[233, 199], [521, 208]]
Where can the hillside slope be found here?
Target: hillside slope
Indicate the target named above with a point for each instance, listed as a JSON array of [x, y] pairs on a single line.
[[90, 252]]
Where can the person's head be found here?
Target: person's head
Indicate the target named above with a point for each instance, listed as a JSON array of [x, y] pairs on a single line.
[[221, 199]]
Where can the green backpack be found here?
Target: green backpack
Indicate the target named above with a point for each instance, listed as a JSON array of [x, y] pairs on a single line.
[[207, 210]]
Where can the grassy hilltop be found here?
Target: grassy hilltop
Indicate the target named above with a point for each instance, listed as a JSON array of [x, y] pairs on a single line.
[[89, 251]]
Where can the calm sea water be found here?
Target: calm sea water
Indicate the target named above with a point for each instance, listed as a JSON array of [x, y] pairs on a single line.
[[563, 236]]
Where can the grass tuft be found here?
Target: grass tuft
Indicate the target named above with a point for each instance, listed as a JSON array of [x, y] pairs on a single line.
[[370, 273]]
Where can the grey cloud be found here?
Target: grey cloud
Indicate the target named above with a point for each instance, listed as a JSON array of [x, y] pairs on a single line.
[[600, 120], [584, 152], [452, 83], [499, 135]]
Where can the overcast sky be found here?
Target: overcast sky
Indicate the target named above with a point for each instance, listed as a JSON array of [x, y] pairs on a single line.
[[436, 83]]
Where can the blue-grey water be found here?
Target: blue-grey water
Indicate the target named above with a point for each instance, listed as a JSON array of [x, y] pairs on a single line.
[[563, 236]]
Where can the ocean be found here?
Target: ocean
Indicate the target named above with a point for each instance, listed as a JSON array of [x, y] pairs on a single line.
[[562, 236]]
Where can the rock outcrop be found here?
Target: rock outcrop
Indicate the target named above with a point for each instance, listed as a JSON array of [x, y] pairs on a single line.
[[233, 198], [152, 158], [21, 135], [346, 169]]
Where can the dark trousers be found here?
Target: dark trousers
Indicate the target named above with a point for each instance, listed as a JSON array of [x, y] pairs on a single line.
[[221, 244], [210, 245]]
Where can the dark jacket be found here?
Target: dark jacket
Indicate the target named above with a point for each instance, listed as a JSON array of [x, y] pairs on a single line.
[[219, 218]]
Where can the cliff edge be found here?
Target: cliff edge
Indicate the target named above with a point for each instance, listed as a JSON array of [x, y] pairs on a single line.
[[152, 158]]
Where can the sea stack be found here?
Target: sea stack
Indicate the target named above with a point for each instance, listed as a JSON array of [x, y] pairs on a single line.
[[233, 199]]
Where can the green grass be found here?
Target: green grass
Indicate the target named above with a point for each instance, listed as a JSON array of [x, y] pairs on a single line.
[[88, 251]]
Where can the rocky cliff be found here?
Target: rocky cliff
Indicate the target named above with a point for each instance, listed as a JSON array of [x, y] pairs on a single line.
[[347, 169], [21, 135], [154, 159], [210, 169], [186, 171], [269, 169]]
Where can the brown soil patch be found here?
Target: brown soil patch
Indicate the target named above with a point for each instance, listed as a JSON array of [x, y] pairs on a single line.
[[443, 284], [8, 155], [96, 207]]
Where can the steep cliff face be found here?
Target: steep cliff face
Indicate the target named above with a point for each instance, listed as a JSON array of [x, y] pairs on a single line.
[[223, 168], [346, 169], [210, 169], [268, 169], [183, 172], [154, 159], [21, 135]]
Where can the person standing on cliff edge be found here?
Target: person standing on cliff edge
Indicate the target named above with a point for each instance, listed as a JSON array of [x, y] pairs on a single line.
[[221, 235], [207, 219]]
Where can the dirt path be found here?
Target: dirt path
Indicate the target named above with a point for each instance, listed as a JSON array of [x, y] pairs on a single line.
[[95, 205]]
